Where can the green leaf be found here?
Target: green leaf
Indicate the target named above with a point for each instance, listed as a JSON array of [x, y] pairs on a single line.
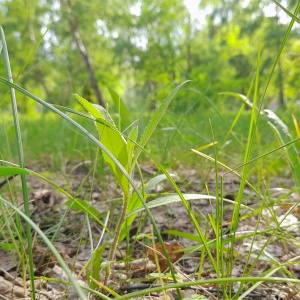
[[7, 246], [111, 138], [284, 136], [8, 171], [154, 181], [294, 17], [94, 265], [134, 204], [132, 137], [161, 201], [124, 113]]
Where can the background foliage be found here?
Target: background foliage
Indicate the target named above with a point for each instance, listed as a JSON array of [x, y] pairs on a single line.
[[142, 49]]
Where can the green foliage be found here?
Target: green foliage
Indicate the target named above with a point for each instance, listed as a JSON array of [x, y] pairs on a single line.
[[7, 171], [111, 138], [218, 57], [94, 266], [148, 47]]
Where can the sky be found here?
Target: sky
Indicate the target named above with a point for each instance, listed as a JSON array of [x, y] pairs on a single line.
[[198, 15], [269, 11]]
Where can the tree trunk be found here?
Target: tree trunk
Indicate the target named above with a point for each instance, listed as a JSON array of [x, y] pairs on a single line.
[[38, 71], [84, 54]]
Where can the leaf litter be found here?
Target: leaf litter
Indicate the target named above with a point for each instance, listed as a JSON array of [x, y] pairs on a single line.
[[73, 243]]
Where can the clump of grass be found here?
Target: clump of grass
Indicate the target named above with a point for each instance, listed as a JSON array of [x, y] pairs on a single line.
[[121, 153]]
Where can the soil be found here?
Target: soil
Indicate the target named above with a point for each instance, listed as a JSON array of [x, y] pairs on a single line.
[[269, 249]]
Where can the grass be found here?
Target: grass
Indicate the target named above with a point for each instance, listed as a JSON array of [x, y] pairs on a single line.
[[252, 145], [47, 135], [41, 143]]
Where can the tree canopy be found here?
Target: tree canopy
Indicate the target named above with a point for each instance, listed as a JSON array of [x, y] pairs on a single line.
[[142, 49]]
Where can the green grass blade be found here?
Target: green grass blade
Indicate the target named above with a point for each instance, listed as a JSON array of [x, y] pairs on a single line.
[[31, 54], [21, 158], [50, 246], [85, 207], [284, 136], [294, 17], [131, 141], [155, 121], [251, 134], [167, 200], [118, 102], [282, 133], [187, 208], [111, 138], [104, 149], [208, 282], [210, 102], [135, 204], [288, 32]]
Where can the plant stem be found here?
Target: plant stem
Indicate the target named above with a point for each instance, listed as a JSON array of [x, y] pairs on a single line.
[[115, 242], [21, 162]]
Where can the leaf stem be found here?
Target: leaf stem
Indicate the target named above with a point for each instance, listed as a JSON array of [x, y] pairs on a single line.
[[115, 242]]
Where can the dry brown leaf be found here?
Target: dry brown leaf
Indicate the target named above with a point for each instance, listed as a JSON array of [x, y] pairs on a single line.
[[174, 249]]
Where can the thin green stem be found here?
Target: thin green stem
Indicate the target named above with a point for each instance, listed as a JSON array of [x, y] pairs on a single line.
[[115, 242], [21, 162]]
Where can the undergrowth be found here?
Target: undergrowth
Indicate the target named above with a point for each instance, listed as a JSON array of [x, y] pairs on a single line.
[[226, 150]]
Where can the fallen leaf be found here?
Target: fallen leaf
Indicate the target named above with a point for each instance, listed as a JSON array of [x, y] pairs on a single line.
[[174, 249]]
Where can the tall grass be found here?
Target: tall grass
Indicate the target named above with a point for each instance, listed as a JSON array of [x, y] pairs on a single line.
[[122, 151]]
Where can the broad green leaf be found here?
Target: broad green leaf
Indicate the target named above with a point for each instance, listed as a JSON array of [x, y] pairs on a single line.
[[111, 139], [105, 115], [118, 101], [8, 171], [135, 204]]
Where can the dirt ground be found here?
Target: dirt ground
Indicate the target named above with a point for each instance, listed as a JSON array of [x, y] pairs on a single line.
[[48, 206]]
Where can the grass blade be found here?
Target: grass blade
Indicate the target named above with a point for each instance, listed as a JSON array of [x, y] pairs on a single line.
[[293, 16], [123, 111], [21, 159], [50, 246], [7, 171], [103, 148], [282, 132], [288, 32], [155, 121]]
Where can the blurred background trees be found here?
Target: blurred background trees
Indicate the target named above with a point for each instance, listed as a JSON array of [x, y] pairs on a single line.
[[142, 49]]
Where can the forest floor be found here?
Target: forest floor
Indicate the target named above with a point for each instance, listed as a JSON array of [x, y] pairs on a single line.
[[73, 242]]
